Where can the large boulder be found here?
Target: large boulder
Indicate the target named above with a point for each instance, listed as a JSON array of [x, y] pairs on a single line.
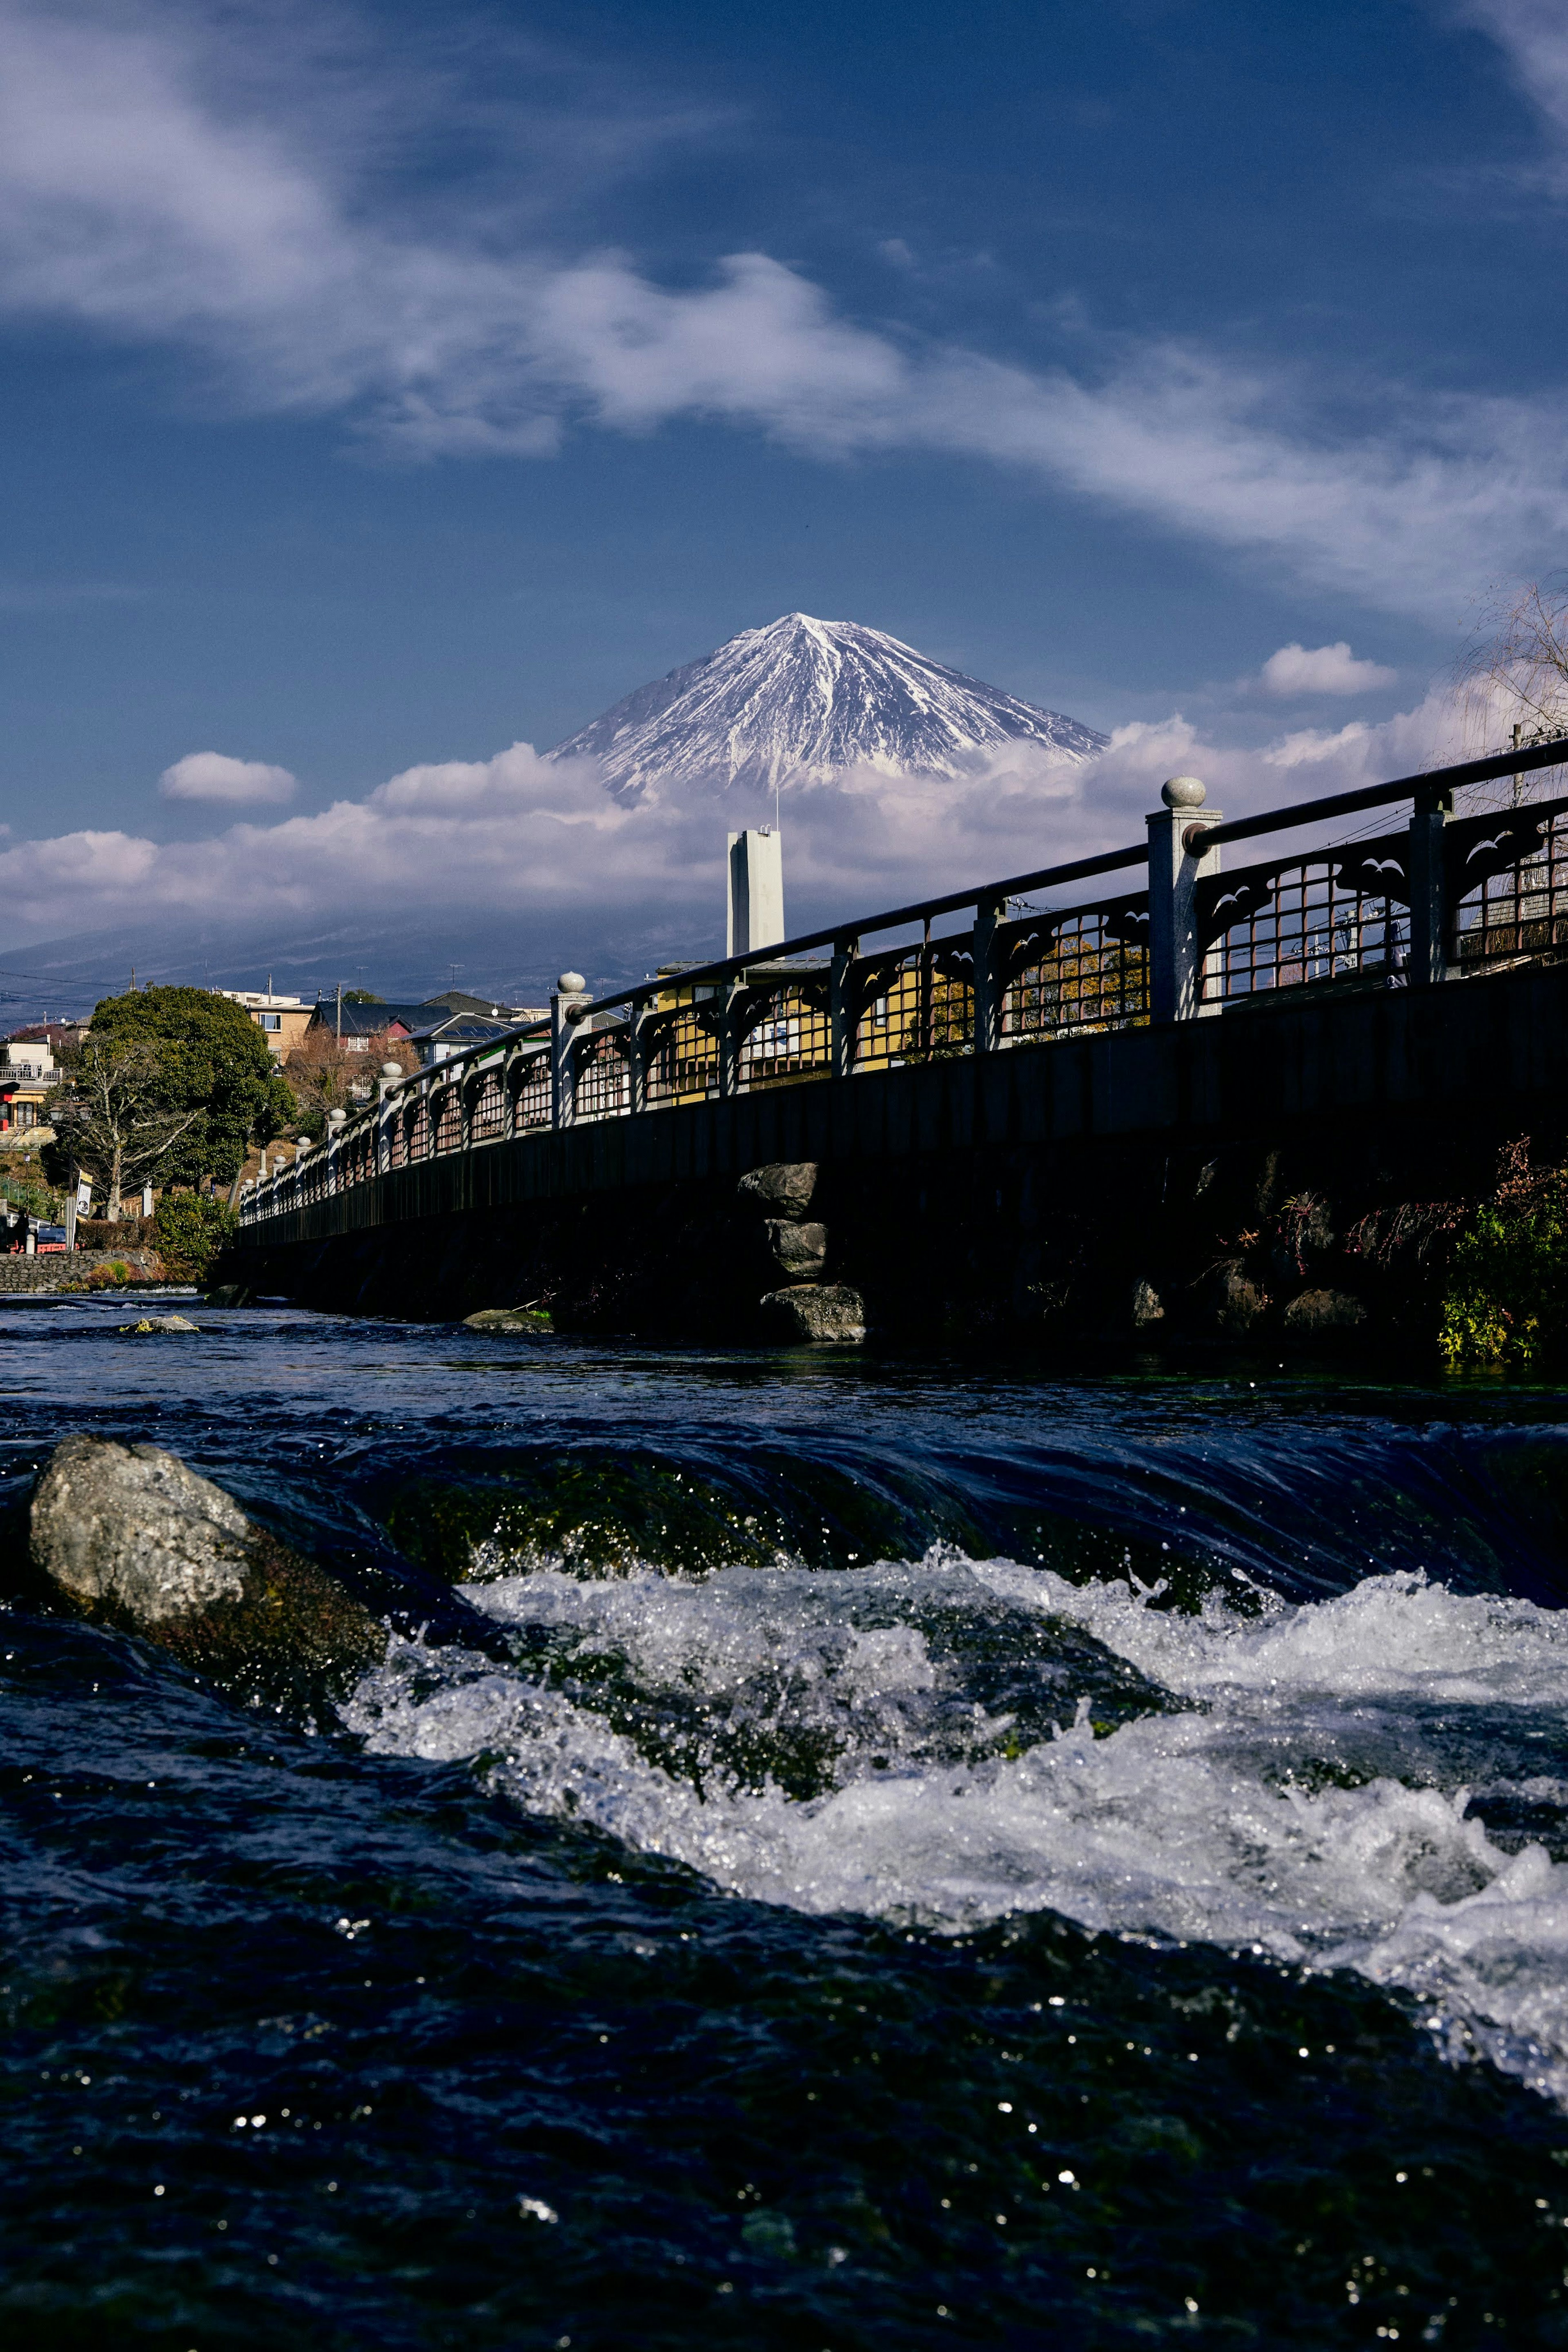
[[816, 1312], [1147, 1306], [1234, 1303], [1325, 1310], [131, 1538], [783, 1189], [799, 1251]]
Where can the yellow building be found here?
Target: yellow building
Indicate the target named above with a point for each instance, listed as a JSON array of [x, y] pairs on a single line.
[[282, 1020]]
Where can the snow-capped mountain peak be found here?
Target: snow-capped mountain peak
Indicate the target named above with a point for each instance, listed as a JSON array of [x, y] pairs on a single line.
[[802, 700]]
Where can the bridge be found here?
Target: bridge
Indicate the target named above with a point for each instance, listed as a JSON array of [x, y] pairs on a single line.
[[1401, 986]]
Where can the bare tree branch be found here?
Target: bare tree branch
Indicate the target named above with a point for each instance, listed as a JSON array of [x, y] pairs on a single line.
[[110, 1116]]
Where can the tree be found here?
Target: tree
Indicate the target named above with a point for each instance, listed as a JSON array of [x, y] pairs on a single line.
[[362, 996], [327, 1072], [1514, 676], [112, 1116], [215, 1077], [193, 1230]]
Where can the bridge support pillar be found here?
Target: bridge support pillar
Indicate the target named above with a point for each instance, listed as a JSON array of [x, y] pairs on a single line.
[[840, 1007], [637, 1055], [1429, 894], [729, 1040], [1176, 959], [988, 984]]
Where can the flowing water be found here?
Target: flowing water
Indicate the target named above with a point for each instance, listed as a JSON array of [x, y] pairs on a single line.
[[839, 1854]]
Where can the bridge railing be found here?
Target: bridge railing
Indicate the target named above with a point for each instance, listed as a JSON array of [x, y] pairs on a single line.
[[1439, 898]]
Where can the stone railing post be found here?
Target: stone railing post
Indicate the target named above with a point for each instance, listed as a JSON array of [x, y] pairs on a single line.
[[567, 1006], [1175, 965], [989, 913], [389, 1071], [840, 1014], [1429, 893]]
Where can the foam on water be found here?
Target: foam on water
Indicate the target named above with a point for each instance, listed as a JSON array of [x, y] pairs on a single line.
[[1302, 1789]]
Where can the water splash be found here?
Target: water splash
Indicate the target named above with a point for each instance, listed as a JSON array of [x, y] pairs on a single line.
[[1294, 1781]]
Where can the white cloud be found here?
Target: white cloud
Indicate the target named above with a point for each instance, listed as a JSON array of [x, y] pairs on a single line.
[[1533, 37], [1322, 669], [145, 195], [537, 842], [214, 776], [1309, 748]]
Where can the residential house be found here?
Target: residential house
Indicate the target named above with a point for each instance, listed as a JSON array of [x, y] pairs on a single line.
[[282, 1020], [434, 1041], [357, 1023], [28, 1076]]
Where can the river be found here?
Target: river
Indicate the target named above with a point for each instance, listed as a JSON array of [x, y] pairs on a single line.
[[844, 1852]]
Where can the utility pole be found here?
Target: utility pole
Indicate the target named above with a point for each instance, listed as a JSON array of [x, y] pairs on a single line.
[[339, 1013]]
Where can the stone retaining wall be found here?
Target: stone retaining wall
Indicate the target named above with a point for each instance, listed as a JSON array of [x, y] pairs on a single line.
[[64, 1270]]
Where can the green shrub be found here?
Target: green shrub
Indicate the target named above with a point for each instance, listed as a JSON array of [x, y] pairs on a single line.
[[1507, 1296], [191, 1230]]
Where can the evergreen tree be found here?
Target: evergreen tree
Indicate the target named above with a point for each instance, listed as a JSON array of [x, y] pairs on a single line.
[[210, 1074]]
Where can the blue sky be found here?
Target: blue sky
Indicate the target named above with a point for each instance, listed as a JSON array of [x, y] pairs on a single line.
[[383, 386]]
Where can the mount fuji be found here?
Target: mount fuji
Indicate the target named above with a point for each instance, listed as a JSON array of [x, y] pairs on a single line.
[[802, 700]]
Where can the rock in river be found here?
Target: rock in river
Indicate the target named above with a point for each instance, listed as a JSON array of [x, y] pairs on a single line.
[[133, 1538], [818, 1312]]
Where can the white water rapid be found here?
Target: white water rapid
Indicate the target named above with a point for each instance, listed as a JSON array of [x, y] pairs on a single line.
[[1301, 1785]]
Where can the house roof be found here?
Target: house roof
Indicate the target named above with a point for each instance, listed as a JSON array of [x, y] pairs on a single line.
[[460, 1029], [371, 1020]]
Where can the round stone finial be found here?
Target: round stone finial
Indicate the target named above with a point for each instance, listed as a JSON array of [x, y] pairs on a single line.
[[1184, 791], [336, 1118], [571, 983], [391, 1069]]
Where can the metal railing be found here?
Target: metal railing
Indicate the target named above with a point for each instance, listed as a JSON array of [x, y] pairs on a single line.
[[1438, 899]]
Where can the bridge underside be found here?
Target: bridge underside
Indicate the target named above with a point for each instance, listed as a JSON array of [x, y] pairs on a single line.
[[1150, 1179]]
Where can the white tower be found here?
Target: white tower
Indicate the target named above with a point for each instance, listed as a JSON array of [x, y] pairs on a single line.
[[756, 917]]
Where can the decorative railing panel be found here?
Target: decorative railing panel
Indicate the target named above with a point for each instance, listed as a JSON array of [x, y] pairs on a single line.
[[784, 1035], [604, 1075], [915, 1004], [1507, 878], [1328, 917], [533, 1085], [448, 1120], [488, 1117], [681, 1046], [1088, 969]]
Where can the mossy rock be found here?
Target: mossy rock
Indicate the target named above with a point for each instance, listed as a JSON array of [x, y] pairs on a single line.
[[128, 1536], [584, 1512]]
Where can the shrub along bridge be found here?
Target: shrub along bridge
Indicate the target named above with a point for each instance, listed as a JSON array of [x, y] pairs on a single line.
[[1025, 1028]]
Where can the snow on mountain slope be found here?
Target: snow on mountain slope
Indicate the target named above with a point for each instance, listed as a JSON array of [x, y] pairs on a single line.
[[803, 699]]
